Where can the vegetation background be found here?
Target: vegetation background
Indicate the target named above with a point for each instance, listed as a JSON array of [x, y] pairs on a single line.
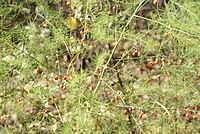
[[95, 66]]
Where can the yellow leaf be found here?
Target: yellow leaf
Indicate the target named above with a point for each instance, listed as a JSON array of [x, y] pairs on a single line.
[[73, 23]]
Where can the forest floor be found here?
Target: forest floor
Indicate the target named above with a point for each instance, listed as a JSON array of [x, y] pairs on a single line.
[[90, 67]]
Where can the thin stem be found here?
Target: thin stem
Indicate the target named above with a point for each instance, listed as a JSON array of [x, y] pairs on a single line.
[[163, 108]]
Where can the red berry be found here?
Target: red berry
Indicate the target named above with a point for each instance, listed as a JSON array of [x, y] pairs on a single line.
[[162, 68], [96, 5], [99, 69], [75, 64], [135, 53], [156, 61], [148, 34], [61, 86], [150, 64], [116, 97], [112, 100], [130, 109], [64, 88], [180, 62], [45, 25], [81, 32], [141, 115], [155, 2], [125, 111], [37, 70], [168, 64], [19, 99], [32, 112], [65, 78], [56, 78], [46, 110], [163, 59], [167, 34]]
